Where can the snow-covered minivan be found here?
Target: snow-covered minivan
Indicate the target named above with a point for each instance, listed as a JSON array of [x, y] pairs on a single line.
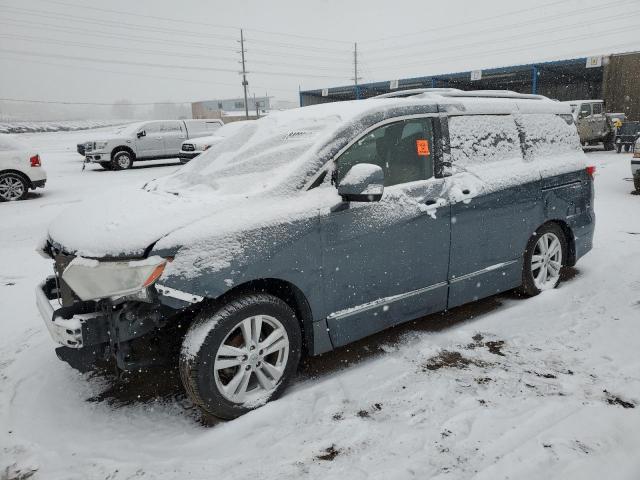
[[316, 227]]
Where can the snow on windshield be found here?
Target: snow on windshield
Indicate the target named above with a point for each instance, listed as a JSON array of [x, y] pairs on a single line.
[[271, 154], [8, 144], [129, 130]]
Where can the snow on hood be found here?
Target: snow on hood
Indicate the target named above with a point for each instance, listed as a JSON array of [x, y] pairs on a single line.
[[125, 223]]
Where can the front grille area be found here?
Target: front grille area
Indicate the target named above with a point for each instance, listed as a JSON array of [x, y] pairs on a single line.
[[188, 147]]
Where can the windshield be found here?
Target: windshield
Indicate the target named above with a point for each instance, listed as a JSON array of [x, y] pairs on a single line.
[[130, 129], [255, 156]]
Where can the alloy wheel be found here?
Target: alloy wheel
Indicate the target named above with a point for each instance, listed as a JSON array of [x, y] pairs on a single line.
[[11, 187], [251, 359], [123, 161], [546, 261]]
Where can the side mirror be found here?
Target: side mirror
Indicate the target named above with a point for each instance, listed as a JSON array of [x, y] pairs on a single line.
[[364, 182], [141, 133]]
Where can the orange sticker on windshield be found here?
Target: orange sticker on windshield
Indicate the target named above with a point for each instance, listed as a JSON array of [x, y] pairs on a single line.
[[422, 147]]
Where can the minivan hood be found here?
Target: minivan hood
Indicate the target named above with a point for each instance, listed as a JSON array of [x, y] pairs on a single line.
[[126, 223]]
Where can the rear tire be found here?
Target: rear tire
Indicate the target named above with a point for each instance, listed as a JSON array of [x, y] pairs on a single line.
[[240, 356], [627, 148], [608, 145], [122, 160], [544, 257], [636, 183], [13, 187]]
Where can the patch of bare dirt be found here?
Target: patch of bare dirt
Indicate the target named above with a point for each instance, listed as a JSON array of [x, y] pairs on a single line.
[[449, 359], [616, 400], [328, 454]]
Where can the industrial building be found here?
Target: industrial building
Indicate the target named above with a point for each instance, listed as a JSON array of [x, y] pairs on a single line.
[[614, 78], [231, 109]]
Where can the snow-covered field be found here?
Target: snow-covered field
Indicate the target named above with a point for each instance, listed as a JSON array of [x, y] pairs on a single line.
[[17, 126], [540, 388]]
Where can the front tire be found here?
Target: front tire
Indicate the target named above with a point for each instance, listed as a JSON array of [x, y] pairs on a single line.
[[236, 358], [13, 187], [544, 257], [122, 160], [636, 183]]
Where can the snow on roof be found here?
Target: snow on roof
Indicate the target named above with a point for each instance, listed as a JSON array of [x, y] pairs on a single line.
[[280, 152]]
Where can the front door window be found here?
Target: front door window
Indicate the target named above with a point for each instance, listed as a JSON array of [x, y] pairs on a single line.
[[404, 151]]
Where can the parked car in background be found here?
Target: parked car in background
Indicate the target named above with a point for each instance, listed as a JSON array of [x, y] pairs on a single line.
[[313, 228], [151, 140], [594, 124], [192, 148], [635, 166], [20, 169]]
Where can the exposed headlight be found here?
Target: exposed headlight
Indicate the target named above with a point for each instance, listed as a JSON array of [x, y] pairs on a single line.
[[100, 145], [91, 279], [205, 147]]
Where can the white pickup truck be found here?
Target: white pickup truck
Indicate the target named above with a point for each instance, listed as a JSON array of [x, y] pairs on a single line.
[[151, 140]]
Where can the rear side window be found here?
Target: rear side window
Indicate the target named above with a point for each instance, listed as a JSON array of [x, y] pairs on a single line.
[[597, 108], [547, 134], [482, 139], [404, 151], [171, 127]]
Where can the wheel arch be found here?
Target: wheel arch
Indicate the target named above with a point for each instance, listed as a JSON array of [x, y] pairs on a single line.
[[22, 175], [285, 291], [570, 238], [121, 148]]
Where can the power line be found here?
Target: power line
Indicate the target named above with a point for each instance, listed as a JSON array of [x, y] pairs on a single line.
[[160, 65], [49, 40], [194, 22], [124, 37], [119, 36], [117, 24], [136, 74], [503, 28], [507, 50], [470, 22], [510, 37]]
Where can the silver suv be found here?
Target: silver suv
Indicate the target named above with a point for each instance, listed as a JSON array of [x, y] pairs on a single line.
[[146, 141]]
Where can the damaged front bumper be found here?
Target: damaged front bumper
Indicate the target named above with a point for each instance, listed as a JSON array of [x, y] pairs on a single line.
[[77, 326], [135, 334]]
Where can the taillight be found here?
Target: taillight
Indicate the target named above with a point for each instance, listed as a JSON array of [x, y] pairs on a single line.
[[35, 161], [591, 171]]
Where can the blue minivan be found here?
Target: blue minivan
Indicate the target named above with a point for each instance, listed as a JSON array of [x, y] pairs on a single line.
[[315, 227]]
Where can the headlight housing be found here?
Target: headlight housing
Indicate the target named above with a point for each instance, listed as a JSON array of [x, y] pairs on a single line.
[[92, 280], [100, 145]]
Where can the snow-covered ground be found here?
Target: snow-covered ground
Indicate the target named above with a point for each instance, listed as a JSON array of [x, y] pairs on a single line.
[[547, 387], [17, 126]]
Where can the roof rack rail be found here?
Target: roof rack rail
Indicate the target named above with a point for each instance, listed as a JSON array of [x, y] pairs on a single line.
[[415, 91], [489, 94]]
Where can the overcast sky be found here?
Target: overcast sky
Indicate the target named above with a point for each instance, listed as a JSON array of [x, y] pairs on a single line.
[[103, 51]]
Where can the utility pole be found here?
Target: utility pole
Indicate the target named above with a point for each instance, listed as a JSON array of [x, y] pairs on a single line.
[[256, 104], [244, 76], [355, 69]]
